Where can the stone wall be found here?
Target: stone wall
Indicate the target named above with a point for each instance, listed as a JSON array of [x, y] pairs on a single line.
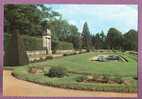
[[68, 51], [36, 54], [64, 51]]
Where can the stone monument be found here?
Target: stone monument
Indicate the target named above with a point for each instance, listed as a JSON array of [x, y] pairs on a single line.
[[47, 41]]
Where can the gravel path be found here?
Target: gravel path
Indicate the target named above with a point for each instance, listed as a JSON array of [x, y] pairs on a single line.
[[15, 87]]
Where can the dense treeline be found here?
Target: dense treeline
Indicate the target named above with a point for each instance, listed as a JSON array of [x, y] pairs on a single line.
[[34, 19], [116, 40]]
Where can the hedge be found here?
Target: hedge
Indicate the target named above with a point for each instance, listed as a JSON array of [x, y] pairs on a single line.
[[15, 54], [31, 43], [35, 43], [6, 40], [65, 46]]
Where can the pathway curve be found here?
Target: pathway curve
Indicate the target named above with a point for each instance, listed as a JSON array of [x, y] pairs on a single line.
[[16, 87]]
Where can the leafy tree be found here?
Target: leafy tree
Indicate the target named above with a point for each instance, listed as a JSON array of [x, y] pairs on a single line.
[[103, 40], [27, 19], [60, 28], [99, 41], [34, 19], [114, 39], [23, 18], [75, 37], [65, 31], [86, 37], [96, 40], [130, 40], [77, 41]]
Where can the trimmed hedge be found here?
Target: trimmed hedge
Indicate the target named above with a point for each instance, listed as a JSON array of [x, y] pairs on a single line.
[[31, 43], [65, 46], [15, 53], [35, 43], [6, 40]]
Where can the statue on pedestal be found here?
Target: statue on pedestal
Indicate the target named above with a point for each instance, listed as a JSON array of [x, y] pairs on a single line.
[[47, 41]]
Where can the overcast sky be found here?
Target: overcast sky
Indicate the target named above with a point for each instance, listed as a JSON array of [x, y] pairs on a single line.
[[99, 17]]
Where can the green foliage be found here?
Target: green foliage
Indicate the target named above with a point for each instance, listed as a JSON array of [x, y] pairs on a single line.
[[68, 54], [34, 19], [57, 72], [81, 78], [15, 54], [81, 66], [86, 37], [80, 63], [54, 42], [77, 42], [63, 31], [61, 28], [99, 41], [114, 39], [70, 82], [22, 18], [117, 79], [27, 19], [133, 55], [96, 41], [75, 37], [65, 46], [6, 40], [130, 41], [31, 43]]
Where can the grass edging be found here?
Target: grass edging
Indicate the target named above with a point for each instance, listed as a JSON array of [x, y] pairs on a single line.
[[21, 73]]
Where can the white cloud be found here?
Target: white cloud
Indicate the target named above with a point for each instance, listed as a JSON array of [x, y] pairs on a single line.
[[123, 17]]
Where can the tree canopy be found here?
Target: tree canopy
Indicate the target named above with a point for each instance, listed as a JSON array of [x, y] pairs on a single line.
[[86, 37], [27, 19], [130, 40], [33, 20], [114, 38]]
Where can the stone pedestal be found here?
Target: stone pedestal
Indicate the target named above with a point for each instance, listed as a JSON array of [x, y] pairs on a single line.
[[47, 41]]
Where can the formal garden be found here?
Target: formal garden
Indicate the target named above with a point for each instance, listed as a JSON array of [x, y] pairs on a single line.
[[78, 72], [80, 61]]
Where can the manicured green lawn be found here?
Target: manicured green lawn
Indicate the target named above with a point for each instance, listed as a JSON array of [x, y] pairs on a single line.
[[81, 63], [78, 65]]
